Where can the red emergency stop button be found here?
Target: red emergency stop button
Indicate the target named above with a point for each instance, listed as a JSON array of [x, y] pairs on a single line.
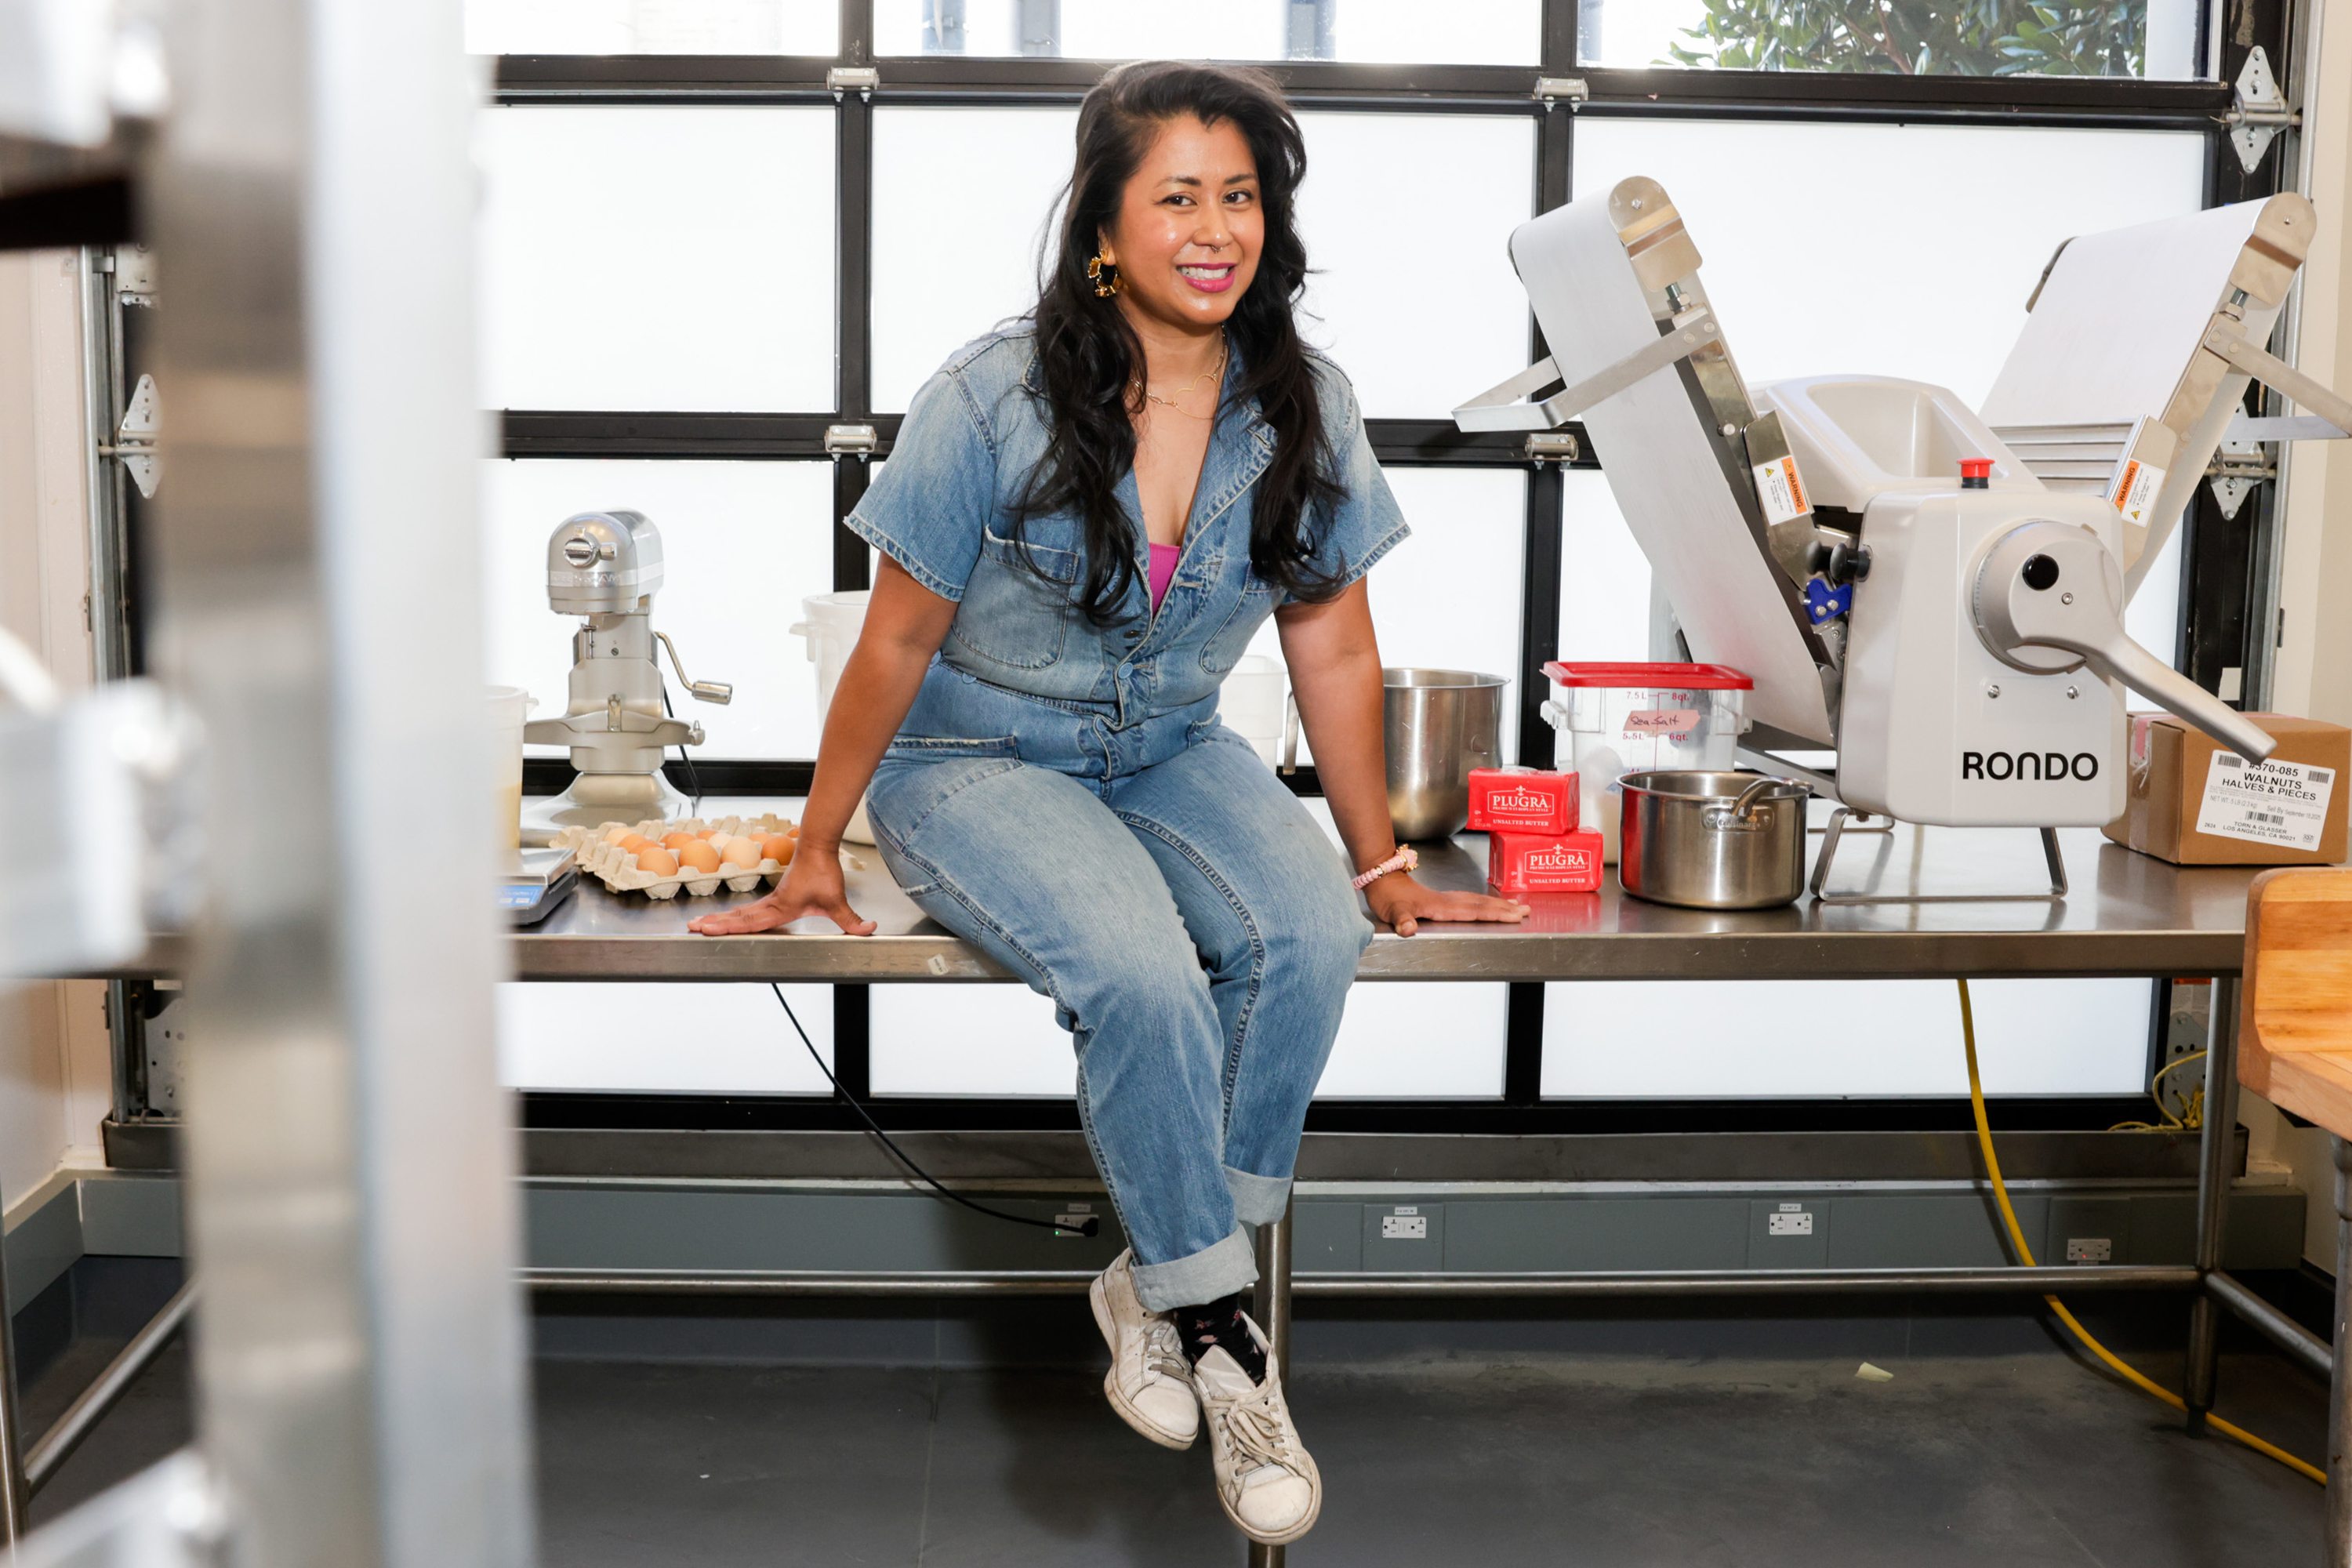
[[1976, 473]]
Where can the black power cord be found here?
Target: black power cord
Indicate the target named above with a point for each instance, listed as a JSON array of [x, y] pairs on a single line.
[[1090, 1226], [693, 781]]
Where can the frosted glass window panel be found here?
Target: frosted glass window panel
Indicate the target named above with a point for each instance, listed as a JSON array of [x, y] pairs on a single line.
[[1448, 596], [1411, 32], [652, 27], [742, 544], [650, 258], [968, 1040], [594, 1036], [1421, 1040], [1775, 1038], [2153, 616], [1478, 32], [1423, 312], [1919, 282], [1605, 578], [992, 176], [2160, 46]]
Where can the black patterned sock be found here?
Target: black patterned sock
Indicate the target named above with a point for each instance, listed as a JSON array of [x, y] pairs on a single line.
[[1218, 1322]]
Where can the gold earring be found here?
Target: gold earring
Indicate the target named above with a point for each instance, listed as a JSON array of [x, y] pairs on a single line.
[[1094, 273]]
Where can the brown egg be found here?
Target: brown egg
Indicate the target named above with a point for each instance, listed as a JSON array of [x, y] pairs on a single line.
[[738, 852], [777, 847], [707, 833], [615, 833], [636, 844], [676, 841], [659, 862], [699, 856]]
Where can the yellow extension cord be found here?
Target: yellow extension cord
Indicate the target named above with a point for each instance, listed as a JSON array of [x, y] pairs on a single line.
[[2025, 1256]]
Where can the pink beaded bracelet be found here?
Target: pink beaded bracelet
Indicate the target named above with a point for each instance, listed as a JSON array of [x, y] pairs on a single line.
[[1404, 860]]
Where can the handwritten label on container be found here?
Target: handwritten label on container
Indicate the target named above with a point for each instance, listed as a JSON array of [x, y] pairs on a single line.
[[2281, 804], [1676, 721]]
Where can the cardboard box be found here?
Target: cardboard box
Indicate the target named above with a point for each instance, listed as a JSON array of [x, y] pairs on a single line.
[[2194, 802], [1544, 862], [1522, 800]]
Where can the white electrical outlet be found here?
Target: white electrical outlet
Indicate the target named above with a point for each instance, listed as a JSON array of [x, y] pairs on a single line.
[[2090, 1249], [1405, 1225], [1788, 1222]]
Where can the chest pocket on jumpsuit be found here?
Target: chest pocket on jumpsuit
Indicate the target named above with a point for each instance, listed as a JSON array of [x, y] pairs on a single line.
[[1252, 601], [1010, 614]]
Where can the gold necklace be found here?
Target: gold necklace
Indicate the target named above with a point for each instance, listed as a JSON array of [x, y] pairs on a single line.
[[1217, 370]]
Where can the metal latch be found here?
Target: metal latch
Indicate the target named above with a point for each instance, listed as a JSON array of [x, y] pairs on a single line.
[[860, 79], [2259, 112], [851, 440], [1551, 446], [134, 439], [1572, 88]]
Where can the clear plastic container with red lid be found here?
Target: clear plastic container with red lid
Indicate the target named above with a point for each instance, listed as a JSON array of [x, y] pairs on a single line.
[[1630, 718]]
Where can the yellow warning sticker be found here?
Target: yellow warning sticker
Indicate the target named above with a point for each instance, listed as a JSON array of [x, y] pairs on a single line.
[[1781, 489]]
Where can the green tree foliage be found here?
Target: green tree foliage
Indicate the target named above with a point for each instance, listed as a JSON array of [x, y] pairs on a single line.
[[1915, 37]]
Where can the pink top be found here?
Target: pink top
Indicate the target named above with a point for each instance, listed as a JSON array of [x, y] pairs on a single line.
[[1163, 570]]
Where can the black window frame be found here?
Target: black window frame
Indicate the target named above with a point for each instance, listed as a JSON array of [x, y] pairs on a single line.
[[2225, 591]]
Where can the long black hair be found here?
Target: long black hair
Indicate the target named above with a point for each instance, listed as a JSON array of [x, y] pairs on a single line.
[[1087, 354]]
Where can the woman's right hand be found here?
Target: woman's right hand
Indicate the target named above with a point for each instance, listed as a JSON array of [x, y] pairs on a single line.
[[812, 887]]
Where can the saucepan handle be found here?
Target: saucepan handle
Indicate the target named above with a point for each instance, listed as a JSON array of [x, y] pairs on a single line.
[[1290, 731]]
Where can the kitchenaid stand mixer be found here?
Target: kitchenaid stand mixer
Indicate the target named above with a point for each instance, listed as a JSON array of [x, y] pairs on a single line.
[[607, 566]]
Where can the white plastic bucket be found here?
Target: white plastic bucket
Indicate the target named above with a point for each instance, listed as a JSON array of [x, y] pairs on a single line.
[[1620, 719], [507, 707], [1250, 703], [832, 624]]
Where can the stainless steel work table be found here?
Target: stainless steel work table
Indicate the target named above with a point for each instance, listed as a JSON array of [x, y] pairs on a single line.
[[2126, 914]]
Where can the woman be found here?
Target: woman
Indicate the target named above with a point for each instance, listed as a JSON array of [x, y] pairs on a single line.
[[1084, 520]]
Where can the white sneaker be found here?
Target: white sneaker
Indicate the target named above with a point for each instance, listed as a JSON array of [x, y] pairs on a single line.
[[1150, 1384], [1266, 1480]]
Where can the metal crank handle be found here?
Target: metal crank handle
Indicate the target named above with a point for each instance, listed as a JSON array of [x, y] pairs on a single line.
[[2054, 585], [717, 691]]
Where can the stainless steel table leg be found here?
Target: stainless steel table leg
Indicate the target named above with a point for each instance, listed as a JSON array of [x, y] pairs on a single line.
[[2217, 1143], [2339, 1381], [14, 1496], [1270, 1305]]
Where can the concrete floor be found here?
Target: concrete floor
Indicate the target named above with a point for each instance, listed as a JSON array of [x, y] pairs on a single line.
[[1612, 1460]]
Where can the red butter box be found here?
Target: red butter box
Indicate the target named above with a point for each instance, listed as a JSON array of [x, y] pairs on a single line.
[[1521, 800], [1544, 863]]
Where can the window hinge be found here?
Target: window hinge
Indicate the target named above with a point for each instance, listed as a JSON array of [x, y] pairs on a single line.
[[2258, 111], [1551, 446], [860, 79], [135, 439], [851, 440], [1572, 88]]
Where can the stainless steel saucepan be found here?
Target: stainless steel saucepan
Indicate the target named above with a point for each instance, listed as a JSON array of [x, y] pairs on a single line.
[[1437, 725], [1712, 840]]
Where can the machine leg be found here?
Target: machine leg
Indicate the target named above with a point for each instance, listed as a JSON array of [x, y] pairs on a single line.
[[1270, 1305], [2217, 1143], [2339, 1379], [14, 1496]]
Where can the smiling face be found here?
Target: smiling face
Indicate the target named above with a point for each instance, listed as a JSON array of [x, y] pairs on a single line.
[[1189, 228]]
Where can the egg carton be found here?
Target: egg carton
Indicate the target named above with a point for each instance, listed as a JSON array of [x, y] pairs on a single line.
[[617, 868]]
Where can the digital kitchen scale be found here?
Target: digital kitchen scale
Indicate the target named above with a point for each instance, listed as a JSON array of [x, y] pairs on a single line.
[[542, 879]]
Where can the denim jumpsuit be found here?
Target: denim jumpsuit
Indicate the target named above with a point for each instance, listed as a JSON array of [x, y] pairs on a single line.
[[1063, 795]]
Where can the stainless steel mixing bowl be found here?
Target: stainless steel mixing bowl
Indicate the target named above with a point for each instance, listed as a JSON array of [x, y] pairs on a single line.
[[1437, 724]]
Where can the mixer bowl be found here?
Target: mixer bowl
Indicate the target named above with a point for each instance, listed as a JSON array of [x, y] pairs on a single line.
[[1438, 724]]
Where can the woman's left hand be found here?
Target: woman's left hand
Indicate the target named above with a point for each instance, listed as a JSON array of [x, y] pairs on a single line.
[[1404, 903]]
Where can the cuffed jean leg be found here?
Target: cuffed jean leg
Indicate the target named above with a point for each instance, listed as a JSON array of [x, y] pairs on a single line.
[[1265, 895], [1030, 866]]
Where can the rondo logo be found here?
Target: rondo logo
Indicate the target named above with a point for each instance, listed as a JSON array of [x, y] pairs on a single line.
[[2042, 767]]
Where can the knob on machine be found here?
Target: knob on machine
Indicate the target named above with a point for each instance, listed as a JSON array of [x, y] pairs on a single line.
[[605, 567]]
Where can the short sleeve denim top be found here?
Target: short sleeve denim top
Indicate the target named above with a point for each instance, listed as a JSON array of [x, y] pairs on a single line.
[[942, 507]]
